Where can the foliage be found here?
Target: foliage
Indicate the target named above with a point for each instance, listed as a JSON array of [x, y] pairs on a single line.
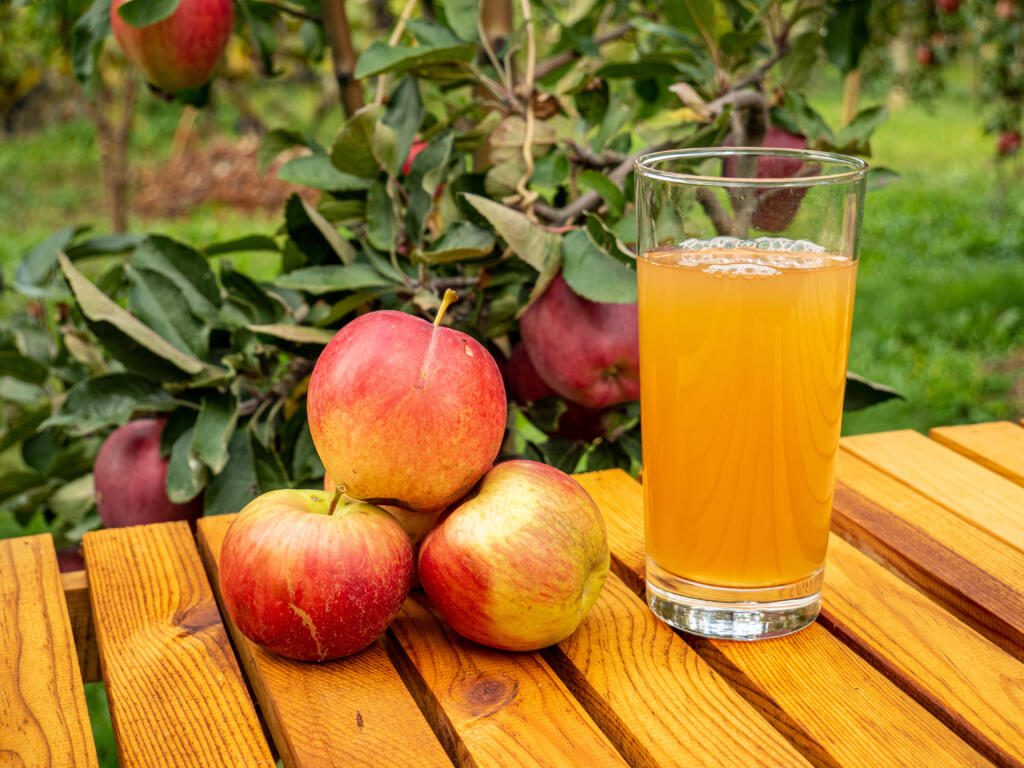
[[524, 153]]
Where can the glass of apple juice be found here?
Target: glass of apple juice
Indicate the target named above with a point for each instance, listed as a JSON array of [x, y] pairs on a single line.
[[747, 260]]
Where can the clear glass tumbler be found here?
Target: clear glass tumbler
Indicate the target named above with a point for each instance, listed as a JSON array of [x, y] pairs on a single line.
[[746, 268]]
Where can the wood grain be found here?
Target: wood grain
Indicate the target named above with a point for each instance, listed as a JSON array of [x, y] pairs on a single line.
[[998, 445], [176, 694], [351, 712], [76, 594], [829, 702], [977, 494], [965, 680], [44, 721], [493, 708], [655, 698], [976, 576]]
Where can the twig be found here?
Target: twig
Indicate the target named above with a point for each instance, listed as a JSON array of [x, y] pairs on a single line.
[[738, 99], [591, 199], [503, 72], [586, 156], [339, 35], [526, 196], [720, 218], [562, 58], [755, 77], [396, 35]]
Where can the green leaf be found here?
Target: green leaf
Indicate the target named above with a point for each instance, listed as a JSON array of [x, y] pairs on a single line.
[[87, 38], [462, 241], [40, 262], [245, 244], [342, 247], [243, 292], [847, 33], [327, 279], [142, 13], [365, 145], [237, 484], [595, 274], [522, 432], [606, 188], [300, 334], [381, 227], [23, 425], [270, 472], [463, 16], [404, 114], [431, 34], [186, 476], [696, 16], [157, 302], [278, 141], [189, 271], [73, 500], [880, 176], [380, 57], [425, 176], [860, 393], [100, 309], [348, 209], [857, 133], [109, 400], [317, 172], [797, 67], [534, 245], [306, 464], [23, 368], [218, 415]]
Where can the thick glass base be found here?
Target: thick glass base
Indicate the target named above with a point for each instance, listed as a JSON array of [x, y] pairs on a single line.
[[731, 613]]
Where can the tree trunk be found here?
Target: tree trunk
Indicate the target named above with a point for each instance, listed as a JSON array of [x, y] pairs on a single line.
[[113, 134], [851, 92], [339, 35], [496, 16]]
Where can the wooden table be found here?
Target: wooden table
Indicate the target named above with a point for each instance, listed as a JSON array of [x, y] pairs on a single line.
[[916, 660]]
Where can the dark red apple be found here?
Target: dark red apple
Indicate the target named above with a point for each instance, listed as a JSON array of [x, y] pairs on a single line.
[[406, 413], [525, 386], [775, 208], [518, 563], [70, 559], [312, 577], [587, 352], [181, 51], [948, 6], [130, 478], [1008, 143], [924, 55]]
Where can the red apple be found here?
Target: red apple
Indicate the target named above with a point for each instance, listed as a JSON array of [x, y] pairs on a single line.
[[312, 583], [775, 208], [406, 413], [525, 386], [181, 51], [415, 524], [1004, 9], [587, 352], [1008, 143], [924, 55], [948, 6], [70, 559], [517, 564], [130, 478]]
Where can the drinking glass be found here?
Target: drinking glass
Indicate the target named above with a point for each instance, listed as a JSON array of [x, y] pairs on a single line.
[[746, 267]]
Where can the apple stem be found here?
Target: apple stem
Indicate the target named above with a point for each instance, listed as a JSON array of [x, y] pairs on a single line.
[[450, 297], [339, 491]]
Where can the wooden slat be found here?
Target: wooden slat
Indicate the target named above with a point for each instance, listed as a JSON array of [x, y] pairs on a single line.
[[973, 574], [176, 693], [76, 594], [829, 702], [655, 698], [979, 495], [493, 708], [351, 712], [44, 721], [998, 445], [965, 680]]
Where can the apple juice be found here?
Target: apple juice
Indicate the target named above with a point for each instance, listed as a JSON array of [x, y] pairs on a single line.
[[743, 354]]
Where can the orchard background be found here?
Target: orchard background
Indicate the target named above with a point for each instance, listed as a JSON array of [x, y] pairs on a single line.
[[187, 255]]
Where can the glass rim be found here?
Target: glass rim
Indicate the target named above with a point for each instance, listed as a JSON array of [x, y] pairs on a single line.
[[646, 166]]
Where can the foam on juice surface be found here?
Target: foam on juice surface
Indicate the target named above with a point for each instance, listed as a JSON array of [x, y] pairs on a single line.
[[736, 257]]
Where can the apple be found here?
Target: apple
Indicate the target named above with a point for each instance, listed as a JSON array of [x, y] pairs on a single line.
[[525, 386], [406, 413], [1004, 9], [775, 208], [130, 478], [313, 578], [587, 352], [1008, 143], [948, 6], [518, 563], [181, 51], [924, 55], [70, 559]]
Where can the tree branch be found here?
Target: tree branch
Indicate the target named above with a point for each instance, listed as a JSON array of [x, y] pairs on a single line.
[[548, 66], [339, 35]]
